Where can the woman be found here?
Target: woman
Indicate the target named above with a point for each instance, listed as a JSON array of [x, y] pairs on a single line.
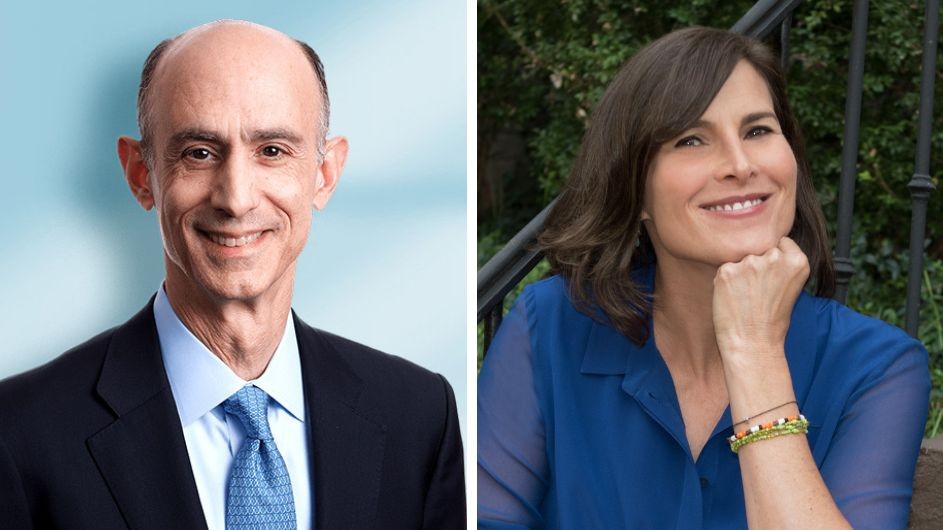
[[657, 380]]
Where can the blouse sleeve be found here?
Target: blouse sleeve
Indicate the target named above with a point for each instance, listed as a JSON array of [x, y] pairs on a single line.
[[869, 467], [512, 458]]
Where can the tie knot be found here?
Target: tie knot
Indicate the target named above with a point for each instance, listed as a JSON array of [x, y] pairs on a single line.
[[250, 405]]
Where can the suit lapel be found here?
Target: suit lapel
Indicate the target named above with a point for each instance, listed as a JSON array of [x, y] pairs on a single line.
[[346, 446], [142, 455]]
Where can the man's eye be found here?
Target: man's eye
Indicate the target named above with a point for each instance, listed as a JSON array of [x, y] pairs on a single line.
[[198, 153], [271, 151]]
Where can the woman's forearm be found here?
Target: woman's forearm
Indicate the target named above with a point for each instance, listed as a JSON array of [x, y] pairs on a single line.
[[782, 487]]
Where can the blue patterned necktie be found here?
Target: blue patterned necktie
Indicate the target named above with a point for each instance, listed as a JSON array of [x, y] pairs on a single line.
[[259, 486]]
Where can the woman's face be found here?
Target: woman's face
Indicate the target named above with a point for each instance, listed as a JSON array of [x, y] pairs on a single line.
[[726, 187]]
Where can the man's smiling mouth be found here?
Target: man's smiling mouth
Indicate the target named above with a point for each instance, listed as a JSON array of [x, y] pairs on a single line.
[[227, 240]]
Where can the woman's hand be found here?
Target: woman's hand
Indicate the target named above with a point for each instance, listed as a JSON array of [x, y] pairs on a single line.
[[753, 301]]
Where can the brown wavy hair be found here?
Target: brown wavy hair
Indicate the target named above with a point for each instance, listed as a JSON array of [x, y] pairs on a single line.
[[593, 236]]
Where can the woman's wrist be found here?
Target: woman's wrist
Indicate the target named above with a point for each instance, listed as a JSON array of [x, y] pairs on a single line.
[[759, 388], [750, 352]]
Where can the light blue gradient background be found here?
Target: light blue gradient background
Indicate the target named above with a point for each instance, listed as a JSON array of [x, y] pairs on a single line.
[[385, 261]]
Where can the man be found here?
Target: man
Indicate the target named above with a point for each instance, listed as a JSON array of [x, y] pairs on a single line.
[[215, 406]]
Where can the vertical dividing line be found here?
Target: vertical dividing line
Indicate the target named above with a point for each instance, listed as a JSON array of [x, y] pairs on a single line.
[[920, 185], [846, 191]]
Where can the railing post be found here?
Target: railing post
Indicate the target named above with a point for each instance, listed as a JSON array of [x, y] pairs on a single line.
[[784, 43], [920, 185], [846, 194]]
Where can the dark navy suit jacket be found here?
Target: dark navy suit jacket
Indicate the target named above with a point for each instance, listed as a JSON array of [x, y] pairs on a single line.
[[93, 440]]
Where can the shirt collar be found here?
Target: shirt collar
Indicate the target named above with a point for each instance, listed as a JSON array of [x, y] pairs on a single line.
[[200, 381]]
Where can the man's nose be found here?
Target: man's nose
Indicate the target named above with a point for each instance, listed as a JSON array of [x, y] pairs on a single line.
[[235, 190]]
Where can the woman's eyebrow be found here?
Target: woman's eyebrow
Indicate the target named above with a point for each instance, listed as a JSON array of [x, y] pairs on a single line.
[[757, 116], [749, 118]]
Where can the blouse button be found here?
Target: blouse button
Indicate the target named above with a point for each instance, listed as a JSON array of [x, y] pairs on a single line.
[[705, 483]]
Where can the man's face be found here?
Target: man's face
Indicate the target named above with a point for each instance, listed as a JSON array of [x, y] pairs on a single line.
[[236, 170]]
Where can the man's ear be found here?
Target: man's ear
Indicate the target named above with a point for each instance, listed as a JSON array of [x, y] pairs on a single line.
[[329, 173], [135, 170]]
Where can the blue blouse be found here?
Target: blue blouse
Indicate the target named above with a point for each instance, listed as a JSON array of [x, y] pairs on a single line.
[[579, 428]]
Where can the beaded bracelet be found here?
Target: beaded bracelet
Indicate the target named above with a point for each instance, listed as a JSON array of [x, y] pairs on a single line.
[[788, 425]]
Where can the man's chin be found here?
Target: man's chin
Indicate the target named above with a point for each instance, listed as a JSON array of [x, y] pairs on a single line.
[[235, 292], [243, 286]]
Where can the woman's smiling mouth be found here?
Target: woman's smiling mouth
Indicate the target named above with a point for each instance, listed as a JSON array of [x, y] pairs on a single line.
[[737, 205]]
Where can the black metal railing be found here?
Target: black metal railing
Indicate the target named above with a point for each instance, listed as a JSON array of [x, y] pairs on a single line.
[[920, 185], [506, 269], [849, 159]]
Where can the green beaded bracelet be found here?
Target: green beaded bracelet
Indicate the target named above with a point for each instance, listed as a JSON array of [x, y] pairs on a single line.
[[780, 427]]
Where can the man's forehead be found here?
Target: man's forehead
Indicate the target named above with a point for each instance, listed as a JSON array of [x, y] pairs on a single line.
[[241, 49], [231, 73], [227, 34], [234, 51]]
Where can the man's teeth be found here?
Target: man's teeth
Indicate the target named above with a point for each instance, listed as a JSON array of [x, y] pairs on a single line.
[[734, 207], [235, 242]]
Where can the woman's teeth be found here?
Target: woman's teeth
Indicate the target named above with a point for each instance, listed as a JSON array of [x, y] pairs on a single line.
[[734, 207]]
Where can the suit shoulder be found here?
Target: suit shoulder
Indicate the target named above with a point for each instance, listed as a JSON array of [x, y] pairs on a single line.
[[392, 386], [61, 385], [371, 363], [64, 370]]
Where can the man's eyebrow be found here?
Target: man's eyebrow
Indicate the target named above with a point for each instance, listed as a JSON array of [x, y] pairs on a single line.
[[278, 133], [193, 135]]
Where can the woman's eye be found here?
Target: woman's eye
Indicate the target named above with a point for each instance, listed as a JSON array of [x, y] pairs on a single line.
[[758, 131], [198, 153], [271, 151], [689, 141]]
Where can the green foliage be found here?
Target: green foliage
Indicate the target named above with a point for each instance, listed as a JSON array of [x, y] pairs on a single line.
[[542, 67], [543, 64]]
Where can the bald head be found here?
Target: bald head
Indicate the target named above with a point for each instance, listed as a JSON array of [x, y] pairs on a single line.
[[241, 50]]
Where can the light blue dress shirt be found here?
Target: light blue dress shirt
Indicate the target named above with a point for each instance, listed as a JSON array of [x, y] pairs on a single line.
[[201, 382]]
